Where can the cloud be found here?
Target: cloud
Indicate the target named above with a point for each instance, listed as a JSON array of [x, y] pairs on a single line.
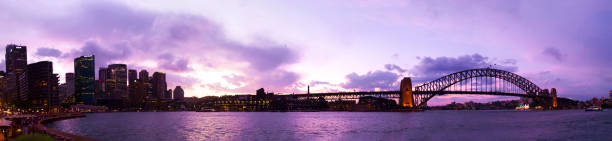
[[169, 62], [105, 55], [431, 68], [316, 83], [393, 67], [554, 53], [384, 80], [48, 52], [116, 33]]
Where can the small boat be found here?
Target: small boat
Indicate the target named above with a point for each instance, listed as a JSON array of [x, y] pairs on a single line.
[[593, 108], [206, 110]]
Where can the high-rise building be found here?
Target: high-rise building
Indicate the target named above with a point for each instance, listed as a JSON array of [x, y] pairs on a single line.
[[132, 76], [116, 82], [16, 59], [22, 85], [70, 84], [610, 94], [168, 94], [11, 93], [138, 93], [178, 93], [101, 84], [42, 85], [66, 90], [132, 87], [143, 76], [85, 73], [159, 85], [3, 89], [16, 65]]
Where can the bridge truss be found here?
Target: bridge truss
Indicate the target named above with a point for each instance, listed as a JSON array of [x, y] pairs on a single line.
[[484, 81]]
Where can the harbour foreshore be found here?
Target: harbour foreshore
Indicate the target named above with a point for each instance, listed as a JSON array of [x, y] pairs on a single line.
[[37, 125]]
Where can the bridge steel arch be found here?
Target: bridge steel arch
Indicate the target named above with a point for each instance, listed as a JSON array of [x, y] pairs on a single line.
[[428, 90]]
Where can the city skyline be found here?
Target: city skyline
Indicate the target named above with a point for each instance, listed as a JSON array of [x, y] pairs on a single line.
[[212, 49]]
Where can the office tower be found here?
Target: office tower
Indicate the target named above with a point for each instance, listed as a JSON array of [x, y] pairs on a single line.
[[84, 71], [168, 94], [132, 88], [143, 76], [66, 90], [178, 93], [16, 63], [101, 92], [132, 76], [16, 59], [70, 84], [138, 93], [159, 84], [42, 85], [116, 82], [3, 90]]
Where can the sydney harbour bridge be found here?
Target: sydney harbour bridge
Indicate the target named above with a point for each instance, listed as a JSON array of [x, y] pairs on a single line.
[[484, 81]]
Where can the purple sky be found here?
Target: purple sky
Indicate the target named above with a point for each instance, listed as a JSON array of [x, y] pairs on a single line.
[[228, 47]]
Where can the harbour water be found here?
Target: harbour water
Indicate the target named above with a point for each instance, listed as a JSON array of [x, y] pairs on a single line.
[[429, 125]]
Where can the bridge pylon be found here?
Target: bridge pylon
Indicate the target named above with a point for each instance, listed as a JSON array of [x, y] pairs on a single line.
[[553, 93], [406, 97]]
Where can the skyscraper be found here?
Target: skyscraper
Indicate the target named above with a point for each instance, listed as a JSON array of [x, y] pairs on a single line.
[[101, 84], [66, 90], [132, 87], [132, 76], [42, 85], [168, 94], [16, 63], [3, 89], [143, 76], [178, 93], [16, 59], [84, 71], [116, 82], [69, 84], [159, 85]]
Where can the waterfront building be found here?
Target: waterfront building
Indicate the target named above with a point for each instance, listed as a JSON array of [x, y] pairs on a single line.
[[610, 94], [42, 85], [159, 85], [84, 71], [179, 94], [116, 82]]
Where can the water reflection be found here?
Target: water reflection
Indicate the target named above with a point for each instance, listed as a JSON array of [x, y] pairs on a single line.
[[431, 125]]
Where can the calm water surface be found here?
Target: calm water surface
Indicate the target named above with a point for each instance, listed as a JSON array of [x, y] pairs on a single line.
[[430, 125]]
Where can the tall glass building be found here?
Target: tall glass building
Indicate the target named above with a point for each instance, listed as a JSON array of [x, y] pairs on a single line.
[[84, 71]]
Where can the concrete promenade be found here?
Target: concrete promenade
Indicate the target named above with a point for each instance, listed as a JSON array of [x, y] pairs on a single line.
[[59, 135]]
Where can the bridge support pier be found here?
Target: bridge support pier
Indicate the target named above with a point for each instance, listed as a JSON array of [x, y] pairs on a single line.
[[406, 97]]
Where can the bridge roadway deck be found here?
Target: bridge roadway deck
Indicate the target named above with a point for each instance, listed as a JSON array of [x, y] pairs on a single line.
[[392, 93]]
